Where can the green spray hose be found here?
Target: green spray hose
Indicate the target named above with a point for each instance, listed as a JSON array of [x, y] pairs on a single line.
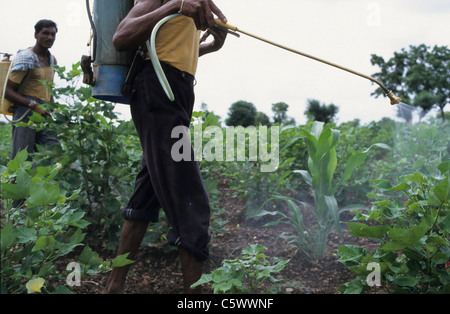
[[151, 47]]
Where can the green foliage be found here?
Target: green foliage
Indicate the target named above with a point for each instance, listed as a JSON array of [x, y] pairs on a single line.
[[79, 187], [33, 237], [421, 147], [41, 231], [280, 114], [322, 162], [413, 237], [323, 113], [99, 154], [241, 113], [420, 76], [244, 275], [262, 119], [5, 142], [353, 139]]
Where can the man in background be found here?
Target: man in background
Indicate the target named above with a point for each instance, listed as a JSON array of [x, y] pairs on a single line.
[[27, 93]]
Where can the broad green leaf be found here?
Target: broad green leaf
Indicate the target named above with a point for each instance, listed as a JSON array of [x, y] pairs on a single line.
[[37, 118], [442, 190], [42, 194], [121, 260], [400, 187], [205, 278], [365, 231], [402, 238], [383, 185], [12, 191], [446, 223], [19, 190], [444, 167], [416, 177], [351, 254], [406, 280], [8, 236], [352, 287], [26, 235], [89, 257], [353, 162], [18, 161], [43, 243]]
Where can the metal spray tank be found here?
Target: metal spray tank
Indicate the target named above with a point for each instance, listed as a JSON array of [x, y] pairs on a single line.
[[110, 66]]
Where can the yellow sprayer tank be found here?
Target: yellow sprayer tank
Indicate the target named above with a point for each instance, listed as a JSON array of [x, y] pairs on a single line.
[[4, 70]]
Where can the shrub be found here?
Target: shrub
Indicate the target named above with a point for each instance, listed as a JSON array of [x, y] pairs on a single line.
[[35, 235], [322, 162], [39, 228], [245, 275], [413, 237]]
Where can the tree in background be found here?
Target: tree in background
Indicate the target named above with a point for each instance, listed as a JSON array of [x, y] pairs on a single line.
[[280, 114], [262, 119], [420, 76], [320, 112], [241, 113]]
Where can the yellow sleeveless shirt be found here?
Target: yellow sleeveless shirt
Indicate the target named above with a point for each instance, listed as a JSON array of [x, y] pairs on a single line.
[[177, 43], [26, 60]]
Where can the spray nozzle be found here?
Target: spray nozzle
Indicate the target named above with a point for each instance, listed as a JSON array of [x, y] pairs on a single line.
[[394, 99]]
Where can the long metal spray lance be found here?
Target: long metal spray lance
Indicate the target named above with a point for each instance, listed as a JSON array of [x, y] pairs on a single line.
[[394, 99]]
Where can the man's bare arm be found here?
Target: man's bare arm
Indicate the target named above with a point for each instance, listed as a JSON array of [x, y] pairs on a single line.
[[137, 26], [17, 99]]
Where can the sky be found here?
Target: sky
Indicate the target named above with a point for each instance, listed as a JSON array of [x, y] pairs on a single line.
[[345, 32]]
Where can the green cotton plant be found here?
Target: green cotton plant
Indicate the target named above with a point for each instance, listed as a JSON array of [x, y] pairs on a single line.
[[322, 162], [39, 228], [413, 235], [99, 154], [244, 275], [45, 228]]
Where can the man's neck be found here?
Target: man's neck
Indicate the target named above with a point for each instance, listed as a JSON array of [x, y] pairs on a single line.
[[40, 51], [43, 55]]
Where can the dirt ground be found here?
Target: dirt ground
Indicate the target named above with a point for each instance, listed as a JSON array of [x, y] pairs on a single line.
[[157, 270]]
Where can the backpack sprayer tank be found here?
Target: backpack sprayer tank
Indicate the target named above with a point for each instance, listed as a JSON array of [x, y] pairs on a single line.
[[110, 67], [4, 71]]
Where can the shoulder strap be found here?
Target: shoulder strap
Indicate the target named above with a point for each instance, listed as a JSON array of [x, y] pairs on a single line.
[[27, 76]]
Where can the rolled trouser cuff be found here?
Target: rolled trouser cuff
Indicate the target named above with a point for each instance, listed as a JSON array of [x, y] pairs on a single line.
[[136, 215], [200, 254]]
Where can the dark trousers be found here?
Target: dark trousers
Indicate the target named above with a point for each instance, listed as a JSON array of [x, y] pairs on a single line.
[[175, 186], [26, 137]]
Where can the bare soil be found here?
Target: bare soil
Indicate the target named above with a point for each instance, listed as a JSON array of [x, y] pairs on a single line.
[[157, 269]]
